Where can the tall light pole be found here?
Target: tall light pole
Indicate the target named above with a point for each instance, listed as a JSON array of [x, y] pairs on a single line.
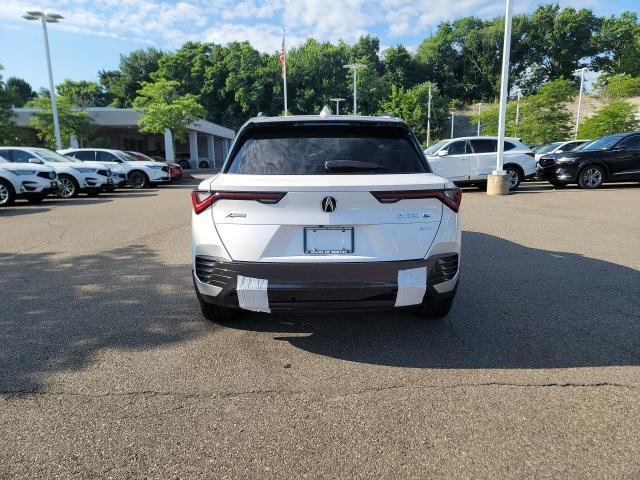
[[49, 18], [479, 112], [355, 67], [452, 117], [498, 182], [429, 117], [337, 100], [518, 98], [581, 71]]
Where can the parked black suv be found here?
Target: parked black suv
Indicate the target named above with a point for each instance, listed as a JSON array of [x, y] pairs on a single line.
[[612, 158]]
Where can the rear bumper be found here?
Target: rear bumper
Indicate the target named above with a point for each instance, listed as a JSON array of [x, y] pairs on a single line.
[[322, 286]]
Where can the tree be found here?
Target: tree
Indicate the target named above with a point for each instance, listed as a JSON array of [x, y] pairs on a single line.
[[618, 45], [621, 86], [135, 69], [162, 107], [8, 130], [618, 116], [560, 42], [400, 67], [20, 91], [544, 117], [83, 94], [411, 105], [72, 122]]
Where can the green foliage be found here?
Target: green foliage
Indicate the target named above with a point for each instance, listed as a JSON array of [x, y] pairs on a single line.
[[544, 117], [617, 43], [83, 94], [162, 107], [72, 122], [135, 69], [618, 116], [20, 91], [621, 86], [8, 130], [411, 105]]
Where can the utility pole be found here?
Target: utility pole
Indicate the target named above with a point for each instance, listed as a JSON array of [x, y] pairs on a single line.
[[429, 117], [581, 70], [519, 97], [49, 18], [479, 112], [354, 67]]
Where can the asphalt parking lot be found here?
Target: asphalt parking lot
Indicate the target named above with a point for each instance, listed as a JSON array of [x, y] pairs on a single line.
[[107, 369]]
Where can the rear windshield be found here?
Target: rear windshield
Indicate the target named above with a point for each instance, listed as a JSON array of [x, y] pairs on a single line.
[[326, 150]]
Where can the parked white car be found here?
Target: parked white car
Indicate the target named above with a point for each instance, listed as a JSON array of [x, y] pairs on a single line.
[[325, 212], [73, 176], [139, 174], [32, 182], [468, 160], [559, 147]]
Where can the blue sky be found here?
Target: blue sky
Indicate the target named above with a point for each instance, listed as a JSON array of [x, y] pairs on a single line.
[[94, 33]]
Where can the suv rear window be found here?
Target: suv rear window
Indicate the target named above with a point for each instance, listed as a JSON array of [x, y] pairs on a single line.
[[326, 150]]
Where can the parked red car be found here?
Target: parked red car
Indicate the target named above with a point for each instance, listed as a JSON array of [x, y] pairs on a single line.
[[175, 170]]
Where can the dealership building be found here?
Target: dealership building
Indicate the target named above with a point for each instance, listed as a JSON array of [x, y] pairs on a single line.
[[117, 128]]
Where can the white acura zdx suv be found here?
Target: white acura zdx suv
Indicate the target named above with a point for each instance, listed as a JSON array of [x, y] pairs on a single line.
[[31, 182], [139, 173], [73, 176], [325, 213]]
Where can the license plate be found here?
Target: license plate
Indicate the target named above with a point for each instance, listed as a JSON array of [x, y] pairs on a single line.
[[328, 240]]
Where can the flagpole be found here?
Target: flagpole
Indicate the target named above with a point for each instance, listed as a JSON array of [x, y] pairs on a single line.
[[284, 72]]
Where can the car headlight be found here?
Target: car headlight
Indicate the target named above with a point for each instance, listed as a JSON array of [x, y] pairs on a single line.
[[24, 172], [154, 167], [85, 170], [566, 160]]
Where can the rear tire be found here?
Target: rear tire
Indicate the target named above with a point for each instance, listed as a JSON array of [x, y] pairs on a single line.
[[184, 164], [435, 310], [591, 176], [7, 194], [515, 177], [204, 164]]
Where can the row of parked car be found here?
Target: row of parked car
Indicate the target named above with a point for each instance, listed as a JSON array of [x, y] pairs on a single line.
[[588, 163], [33, 173]]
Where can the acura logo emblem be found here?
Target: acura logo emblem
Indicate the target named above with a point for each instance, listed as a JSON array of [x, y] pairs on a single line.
[[329, 204]]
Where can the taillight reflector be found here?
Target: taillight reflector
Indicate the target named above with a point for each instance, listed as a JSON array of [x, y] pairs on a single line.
[[451, 197], [202, 199]]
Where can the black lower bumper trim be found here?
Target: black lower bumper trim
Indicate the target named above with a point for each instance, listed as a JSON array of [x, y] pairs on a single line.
[[326, 286]]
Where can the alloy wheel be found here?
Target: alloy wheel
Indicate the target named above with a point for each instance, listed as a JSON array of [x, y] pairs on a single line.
[[137, 180], [514, 180], [4, 194], [592, 177], [67, 189]]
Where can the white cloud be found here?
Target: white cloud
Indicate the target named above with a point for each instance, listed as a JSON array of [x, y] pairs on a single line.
[[169, 23]]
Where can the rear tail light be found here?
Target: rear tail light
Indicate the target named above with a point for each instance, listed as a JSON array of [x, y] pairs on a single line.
[[451, 197], [202, 199]]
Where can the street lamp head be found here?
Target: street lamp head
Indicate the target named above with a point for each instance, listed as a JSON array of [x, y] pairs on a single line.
[[35, 13], [354, 65], [336, 99]]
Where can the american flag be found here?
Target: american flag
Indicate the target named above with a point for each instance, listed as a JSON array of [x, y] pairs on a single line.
[[283, 56]]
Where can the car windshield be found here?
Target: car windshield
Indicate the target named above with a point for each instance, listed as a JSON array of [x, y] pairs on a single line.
[[126, 157], [435, 147], [604, 143], [550, 147], [50, 156], [326, 149], [139, 157]]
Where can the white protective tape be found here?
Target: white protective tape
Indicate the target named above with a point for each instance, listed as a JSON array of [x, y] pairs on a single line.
[[412, 285], [252, 294]]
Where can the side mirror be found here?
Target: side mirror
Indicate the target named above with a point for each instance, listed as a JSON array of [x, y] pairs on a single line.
[[36, 160], [442, 153]]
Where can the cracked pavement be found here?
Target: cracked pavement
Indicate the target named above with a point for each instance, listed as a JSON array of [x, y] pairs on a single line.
[[107, 369]]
